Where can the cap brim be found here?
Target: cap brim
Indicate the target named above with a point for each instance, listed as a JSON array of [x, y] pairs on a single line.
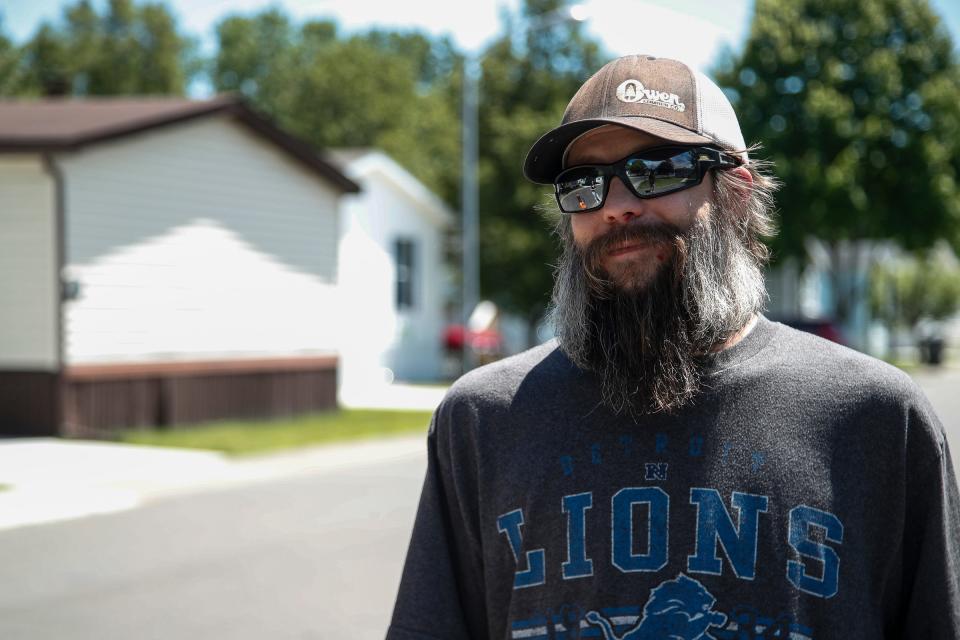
[[545, 158]]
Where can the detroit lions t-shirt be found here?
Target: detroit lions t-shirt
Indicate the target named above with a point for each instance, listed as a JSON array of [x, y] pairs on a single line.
[[808, 493]]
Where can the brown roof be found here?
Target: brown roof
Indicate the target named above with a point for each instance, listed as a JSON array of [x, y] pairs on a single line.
[[63, 124]]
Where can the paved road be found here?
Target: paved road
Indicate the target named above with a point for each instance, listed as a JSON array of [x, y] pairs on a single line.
[[943, 388], [313, 557]]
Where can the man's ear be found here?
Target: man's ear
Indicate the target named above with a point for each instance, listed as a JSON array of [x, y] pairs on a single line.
[[743, 174]]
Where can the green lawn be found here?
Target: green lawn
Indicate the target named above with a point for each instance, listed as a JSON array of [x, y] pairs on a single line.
[[238, 438]]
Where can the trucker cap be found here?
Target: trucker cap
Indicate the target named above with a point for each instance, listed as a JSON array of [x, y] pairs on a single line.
[[662, 97]]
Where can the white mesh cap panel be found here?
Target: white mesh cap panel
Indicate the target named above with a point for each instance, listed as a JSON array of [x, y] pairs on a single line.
[[716, 117]]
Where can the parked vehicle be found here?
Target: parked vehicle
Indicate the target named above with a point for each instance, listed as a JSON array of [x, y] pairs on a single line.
[[823, 327]]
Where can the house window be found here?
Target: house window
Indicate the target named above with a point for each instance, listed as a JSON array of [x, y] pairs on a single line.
[[404, 253]]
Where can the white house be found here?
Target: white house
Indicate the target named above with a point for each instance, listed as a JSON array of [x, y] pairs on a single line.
[[162, 261], [391, 273]]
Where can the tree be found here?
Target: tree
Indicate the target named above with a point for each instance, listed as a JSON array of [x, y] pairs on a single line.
[[46, 65], [911, 290], [390, 90], [529, 76], [10, 68], [128, 50], [255, 58], [855, 102]]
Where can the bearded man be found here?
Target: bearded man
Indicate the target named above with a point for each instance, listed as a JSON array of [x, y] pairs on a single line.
[[674, 464]]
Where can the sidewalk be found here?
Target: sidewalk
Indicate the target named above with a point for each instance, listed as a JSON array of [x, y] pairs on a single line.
[[49, 479], [392, 396]]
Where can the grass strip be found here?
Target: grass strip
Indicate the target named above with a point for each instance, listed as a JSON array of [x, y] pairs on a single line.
[[246, 437], [904, 364]]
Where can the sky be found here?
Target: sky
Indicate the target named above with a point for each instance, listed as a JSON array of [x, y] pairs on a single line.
[[692, 30]]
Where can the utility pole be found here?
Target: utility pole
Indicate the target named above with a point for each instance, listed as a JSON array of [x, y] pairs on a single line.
[[470, 201], [470, 196]]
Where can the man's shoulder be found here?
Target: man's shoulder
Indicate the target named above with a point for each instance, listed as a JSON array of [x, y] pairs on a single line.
[[832, 383], [499, 381], [832, 366], [486, 395]]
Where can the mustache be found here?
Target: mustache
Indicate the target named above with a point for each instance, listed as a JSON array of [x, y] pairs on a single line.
[[592, 255]]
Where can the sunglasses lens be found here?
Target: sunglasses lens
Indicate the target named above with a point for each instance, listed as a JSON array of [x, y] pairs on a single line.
[[652, 176], [580, 189]]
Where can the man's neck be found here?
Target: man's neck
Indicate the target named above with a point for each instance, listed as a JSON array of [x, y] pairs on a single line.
[[738, 336]]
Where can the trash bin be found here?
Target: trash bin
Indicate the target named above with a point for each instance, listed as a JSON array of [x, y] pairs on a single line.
[[931, 351]]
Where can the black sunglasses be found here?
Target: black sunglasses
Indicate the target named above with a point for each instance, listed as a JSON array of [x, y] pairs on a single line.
[[649, 173]]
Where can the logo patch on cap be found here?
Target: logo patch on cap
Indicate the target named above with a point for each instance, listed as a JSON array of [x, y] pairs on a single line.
[[633, 91]]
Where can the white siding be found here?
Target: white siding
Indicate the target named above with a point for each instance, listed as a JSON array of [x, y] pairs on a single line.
[[406, 341], [198, 241], [28, 280]]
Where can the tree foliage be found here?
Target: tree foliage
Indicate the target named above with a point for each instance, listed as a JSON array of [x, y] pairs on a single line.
[[9, 64], [918, 287], [129, 49], [856, 102]]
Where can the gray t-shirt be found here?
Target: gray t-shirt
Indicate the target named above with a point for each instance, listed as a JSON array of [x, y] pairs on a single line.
[[807, 493]]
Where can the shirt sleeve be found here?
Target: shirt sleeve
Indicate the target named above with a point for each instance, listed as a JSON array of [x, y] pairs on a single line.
[[441, 594], [932, 553]]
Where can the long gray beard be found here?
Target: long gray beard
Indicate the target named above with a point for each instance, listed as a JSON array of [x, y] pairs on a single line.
[[646, 343]]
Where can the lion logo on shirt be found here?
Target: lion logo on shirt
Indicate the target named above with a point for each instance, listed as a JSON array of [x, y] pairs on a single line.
[[681, 608]]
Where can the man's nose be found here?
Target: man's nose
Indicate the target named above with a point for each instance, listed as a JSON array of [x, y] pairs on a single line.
[[621, 205]]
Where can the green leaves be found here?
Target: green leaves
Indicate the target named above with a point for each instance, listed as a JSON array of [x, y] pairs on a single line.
[[907, 289], [128, 50], [10, 68], [856, 102]]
